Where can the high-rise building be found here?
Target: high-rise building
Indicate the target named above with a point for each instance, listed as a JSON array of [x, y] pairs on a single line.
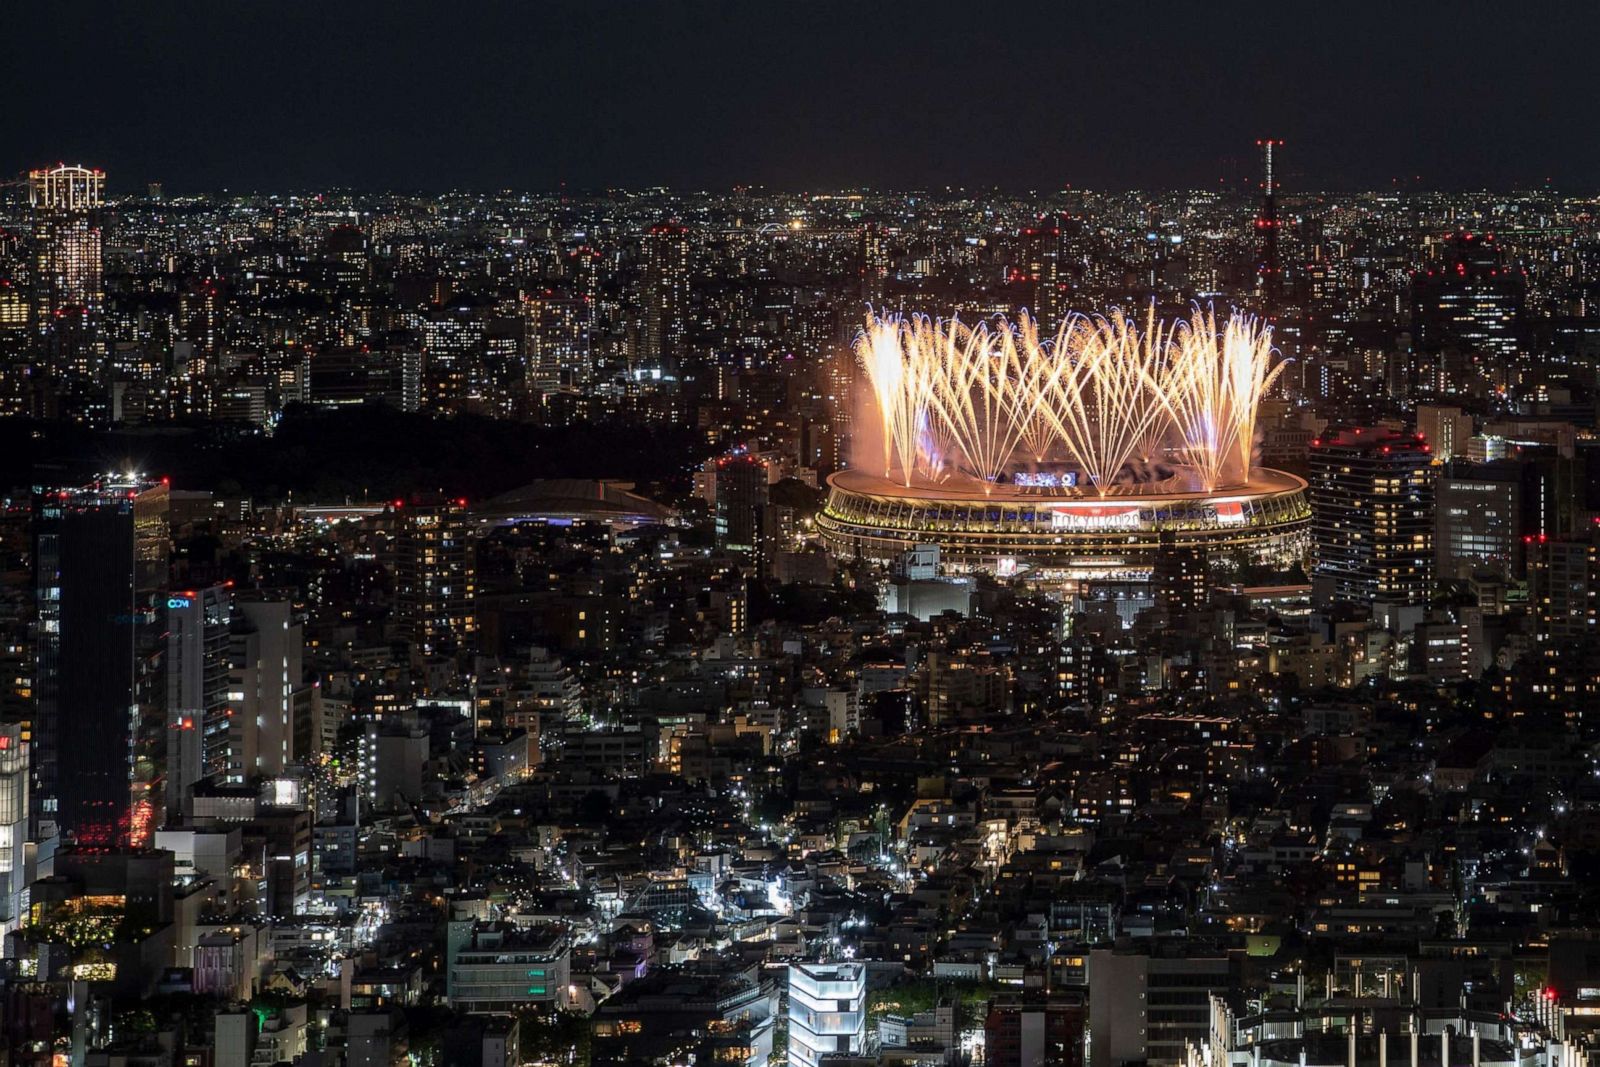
[[1372, 503], [874, 254], [1564, 588], [1041, 269], [197, 690], [68, 285], [435, 579], [666, 298], [1470, 300], [557, 341], [97, 551], [1179, 576], [266, 649], [741, 501], [1447, 429], [13, 823], [452, 359], [1478, 519], [827, 1011]]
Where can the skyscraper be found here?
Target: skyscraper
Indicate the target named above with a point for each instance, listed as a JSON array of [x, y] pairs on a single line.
[[452, 358], [1478, 519], [68, 288], [13, 823], [1564, 588], [267, 647], [557, 337], [197, 690], [96, 551], [1041, 267], [874, 265], [666, 295], [1561, 673], [435, 581], [1471, 300], [741, 499], [1372, 500]]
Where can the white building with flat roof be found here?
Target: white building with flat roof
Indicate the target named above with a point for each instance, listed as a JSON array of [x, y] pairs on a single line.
[[827, 1011]]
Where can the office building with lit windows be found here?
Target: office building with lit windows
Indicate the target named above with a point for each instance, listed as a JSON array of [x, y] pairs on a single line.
[[1564, 588], [14, 873], [452, 359], [1178, 574], [874, 254], [266, 680], [1372, 503], [197, 689], [1039, 270], [1471, 299], [495, 967], [557, 326], [1478, 519], [741, 491]]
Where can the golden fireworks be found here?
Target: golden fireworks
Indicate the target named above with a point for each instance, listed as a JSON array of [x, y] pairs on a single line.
[[1104, 395]]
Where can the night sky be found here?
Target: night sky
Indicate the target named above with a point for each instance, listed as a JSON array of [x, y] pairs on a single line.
[[294, 94]]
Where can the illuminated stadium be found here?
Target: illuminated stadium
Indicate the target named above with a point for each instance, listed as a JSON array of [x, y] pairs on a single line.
[[1072, 455]]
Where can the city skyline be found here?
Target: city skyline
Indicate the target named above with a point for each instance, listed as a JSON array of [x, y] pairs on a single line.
[[741, 602], [828, 96]]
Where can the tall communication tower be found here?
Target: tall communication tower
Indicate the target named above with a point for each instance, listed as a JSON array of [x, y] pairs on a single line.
[[1269, 272]]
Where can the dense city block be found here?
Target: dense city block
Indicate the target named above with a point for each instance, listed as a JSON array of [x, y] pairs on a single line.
[[931, 628]]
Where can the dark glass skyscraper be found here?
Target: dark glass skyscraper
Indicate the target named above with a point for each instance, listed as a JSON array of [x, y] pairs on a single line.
[[1472, 300], [95, 550], [741, 499]]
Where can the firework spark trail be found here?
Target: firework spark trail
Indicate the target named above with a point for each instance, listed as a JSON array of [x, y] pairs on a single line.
[[880, 354], [1037, 382], [1103, 394], [1248, 349], [1194, 389], [979, 395]]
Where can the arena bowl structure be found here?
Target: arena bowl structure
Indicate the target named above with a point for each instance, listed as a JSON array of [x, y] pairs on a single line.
[[1076, 454], [1015, 530]]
